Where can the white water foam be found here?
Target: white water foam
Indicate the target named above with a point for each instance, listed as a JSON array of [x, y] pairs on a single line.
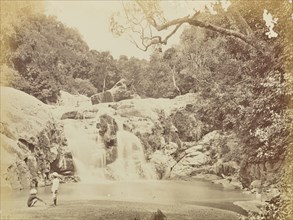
[[130, 163], [87, 149], [89, 152]]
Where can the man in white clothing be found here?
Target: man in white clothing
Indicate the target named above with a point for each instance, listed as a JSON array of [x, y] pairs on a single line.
[[55, 187]]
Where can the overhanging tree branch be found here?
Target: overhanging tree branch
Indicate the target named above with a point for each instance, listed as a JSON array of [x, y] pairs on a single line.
[[192, 20], [156, 39], [172, 33], [195, 22], [225, 31]]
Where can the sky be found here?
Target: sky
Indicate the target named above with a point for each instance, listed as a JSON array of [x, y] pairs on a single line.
[[91, 19]]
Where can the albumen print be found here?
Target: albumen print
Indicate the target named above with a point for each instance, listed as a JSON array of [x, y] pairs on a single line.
[[146, 110]]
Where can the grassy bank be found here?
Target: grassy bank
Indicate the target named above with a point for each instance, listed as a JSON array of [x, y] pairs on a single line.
[[114, 210]]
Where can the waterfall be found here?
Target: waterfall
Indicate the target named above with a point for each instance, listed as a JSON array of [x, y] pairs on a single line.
[[130, 163], [87, 149], [89, 153]]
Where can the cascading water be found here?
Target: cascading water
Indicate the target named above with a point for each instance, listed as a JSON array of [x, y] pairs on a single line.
[[130, 163], [88, 150]]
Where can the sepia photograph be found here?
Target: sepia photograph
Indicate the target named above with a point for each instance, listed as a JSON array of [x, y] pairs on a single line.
[[146, 109]]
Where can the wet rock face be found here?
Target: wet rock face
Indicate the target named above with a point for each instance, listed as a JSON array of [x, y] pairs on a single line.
[[53, 150], [63, 164], [108, 128], [111, 154], [79, 115]]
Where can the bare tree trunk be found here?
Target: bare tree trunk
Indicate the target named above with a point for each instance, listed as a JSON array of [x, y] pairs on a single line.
[[104, 84], [174, 82]]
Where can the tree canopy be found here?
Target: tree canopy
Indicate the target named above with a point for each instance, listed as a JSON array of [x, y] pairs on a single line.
[[42, 56]]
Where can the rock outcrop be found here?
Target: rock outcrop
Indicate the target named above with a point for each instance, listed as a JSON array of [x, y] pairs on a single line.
[[213, 153], [121, 90], [33, 142], [107, 128]]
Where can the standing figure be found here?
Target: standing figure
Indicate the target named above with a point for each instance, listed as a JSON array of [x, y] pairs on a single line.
[[33, 198], [55, 187]]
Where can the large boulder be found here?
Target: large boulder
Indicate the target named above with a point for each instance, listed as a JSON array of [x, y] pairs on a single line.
[[195, 159], [67, 99], [123, 90], [162, 163], [102, 97], [189, 163], [120, 91]]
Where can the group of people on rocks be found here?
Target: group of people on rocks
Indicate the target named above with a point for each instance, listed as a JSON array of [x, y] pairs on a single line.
[[33, 198]]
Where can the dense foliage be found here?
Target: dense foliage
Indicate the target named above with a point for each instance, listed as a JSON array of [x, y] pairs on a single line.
[[51, 57], [43, 56]]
